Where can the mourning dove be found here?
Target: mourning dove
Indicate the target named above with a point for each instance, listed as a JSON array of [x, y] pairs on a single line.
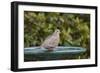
[[52, 41]]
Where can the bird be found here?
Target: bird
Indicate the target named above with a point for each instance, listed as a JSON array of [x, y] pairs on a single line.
[[51, 41]]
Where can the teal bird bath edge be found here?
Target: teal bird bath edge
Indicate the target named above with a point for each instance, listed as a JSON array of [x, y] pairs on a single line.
[[59, 53]]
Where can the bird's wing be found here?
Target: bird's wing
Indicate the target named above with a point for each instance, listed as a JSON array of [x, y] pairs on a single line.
[[46, 41], [54, 42], [50, 42]]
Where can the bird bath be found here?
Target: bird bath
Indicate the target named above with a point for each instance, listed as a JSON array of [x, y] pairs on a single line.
[[59, 53]]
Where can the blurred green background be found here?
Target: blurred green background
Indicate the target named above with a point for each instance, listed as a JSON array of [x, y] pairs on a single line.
[[74, 28]]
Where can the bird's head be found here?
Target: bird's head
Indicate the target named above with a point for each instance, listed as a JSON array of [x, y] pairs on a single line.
[[57, 31]]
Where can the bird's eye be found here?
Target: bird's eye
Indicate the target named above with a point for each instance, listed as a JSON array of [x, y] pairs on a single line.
[[57, 31]]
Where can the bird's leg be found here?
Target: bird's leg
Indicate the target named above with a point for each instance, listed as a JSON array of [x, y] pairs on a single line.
[[50, 49]]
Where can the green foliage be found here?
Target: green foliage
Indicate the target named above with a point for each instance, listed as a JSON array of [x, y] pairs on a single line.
[[74, 28]]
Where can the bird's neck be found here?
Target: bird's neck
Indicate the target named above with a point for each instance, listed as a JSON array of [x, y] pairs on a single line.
[[56, 34]]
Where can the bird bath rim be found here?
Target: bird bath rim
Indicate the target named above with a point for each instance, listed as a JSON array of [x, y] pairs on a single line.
[[59, 49]]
